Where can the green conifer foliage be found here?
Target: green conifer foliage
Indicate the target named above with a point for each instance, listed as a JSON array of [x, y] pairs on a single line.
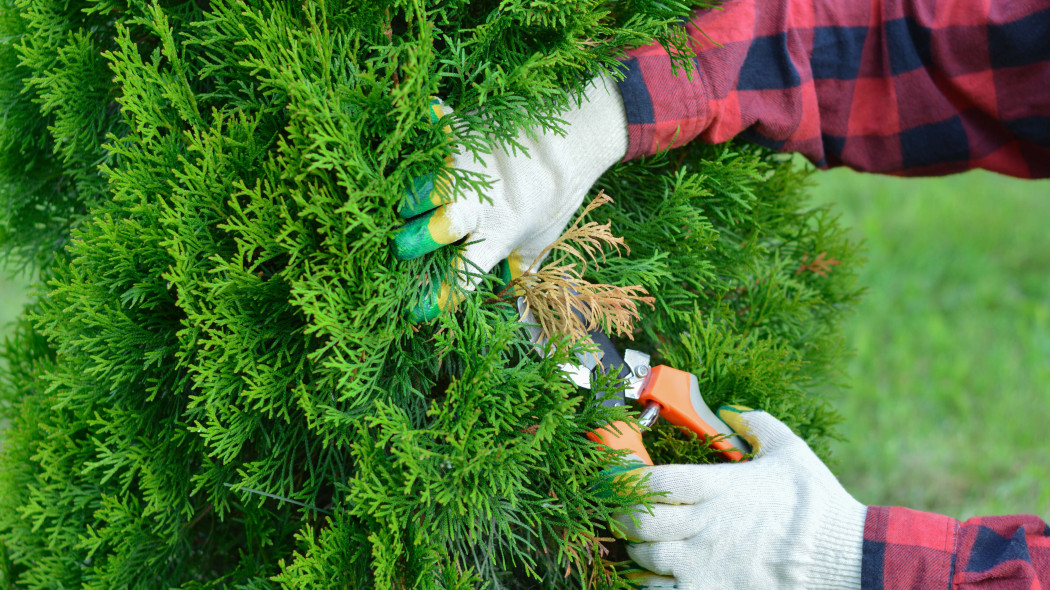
[[218, 386]]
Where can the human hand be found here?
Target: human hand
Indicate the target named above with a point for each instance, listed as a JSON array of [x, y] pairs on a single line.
[[533, 194], [779, 521]]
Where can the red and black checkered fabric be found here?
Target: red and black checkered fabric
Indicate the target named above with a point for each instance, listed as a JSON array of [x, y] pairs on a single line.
[[906, 549], [908, 87]]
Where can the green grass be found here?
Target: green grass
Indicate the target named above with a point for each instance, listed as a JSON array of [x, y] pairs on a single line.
[[949, 409], [12, 298]]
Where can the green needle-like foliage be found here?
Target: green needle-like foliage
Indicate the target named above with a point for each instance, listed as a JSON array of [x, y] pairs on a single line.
[[217, 386]]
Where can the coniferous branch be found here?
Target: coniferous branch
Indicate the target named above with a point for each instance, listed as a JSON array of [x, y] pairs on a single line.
[[208, 191]]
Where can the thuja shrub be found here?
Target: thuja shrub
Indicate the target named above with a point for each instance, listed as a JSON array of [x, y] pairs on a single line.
[[217, 385]]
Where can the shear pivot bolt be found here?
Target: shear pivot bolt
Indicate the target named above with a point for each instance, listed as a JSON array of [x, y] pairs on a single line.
[[641, 371]]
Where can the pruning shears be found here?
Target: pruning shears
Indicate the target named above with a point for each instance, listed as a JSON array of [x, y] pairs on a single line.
[[661, 390]]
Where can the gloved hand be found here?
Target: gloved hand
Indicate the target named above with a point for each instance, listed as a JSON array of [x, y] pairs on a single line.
[[781, 520], [532, 198]]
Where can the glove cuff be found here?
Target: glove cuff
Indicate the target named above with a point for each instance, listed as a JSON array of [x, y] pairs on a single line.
[[839, 545]]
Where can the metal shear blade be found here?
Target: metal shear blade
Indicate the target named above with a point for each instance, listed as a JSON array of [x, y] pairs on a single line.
[[580, 372]]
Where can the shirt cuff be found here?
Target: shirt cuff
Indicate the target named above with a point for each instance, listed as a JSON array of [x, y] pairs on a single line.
[[665, 108], [906, 548]]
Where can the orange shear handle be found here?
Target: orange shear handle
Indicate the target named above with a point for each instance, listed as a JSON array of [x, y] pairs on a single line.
[[621, 435], [677, 393]]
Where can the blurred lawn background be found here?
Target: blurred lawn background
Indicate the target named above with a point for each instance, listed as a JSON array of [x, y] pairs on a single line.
[[949, 409], [12, 297]]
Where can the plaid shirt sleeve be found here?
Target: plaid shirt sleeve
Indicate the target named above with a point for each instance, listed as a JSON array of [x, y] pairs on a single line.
[[907, 87], [906, 549]]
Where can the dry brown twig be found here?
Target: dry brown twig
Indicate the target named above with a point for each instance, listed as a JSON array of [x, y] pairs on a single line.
[[820, 266], [562, 301]]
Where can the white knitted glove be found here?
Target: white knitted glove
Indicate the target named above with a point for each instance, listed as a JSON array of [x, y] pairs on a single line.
[[533, 195], [780, 521]]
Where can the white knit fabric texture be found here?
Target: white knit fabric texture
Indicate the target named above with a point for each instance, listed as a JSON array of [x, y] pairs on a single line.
[[780, 521], [534, 195]]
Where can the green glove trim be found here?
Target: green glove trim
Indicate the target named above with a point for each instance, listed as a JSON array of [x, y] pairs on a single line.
[[733, 409], [427, 309], [423, 235], [422, 196], [432, 189], [433, 303], [734, 417], [437, 110]]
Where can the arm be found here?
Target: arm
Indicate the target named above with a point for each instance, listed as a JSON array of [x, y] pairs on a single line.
[[782, 521], [909, 549], [906, 87]]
